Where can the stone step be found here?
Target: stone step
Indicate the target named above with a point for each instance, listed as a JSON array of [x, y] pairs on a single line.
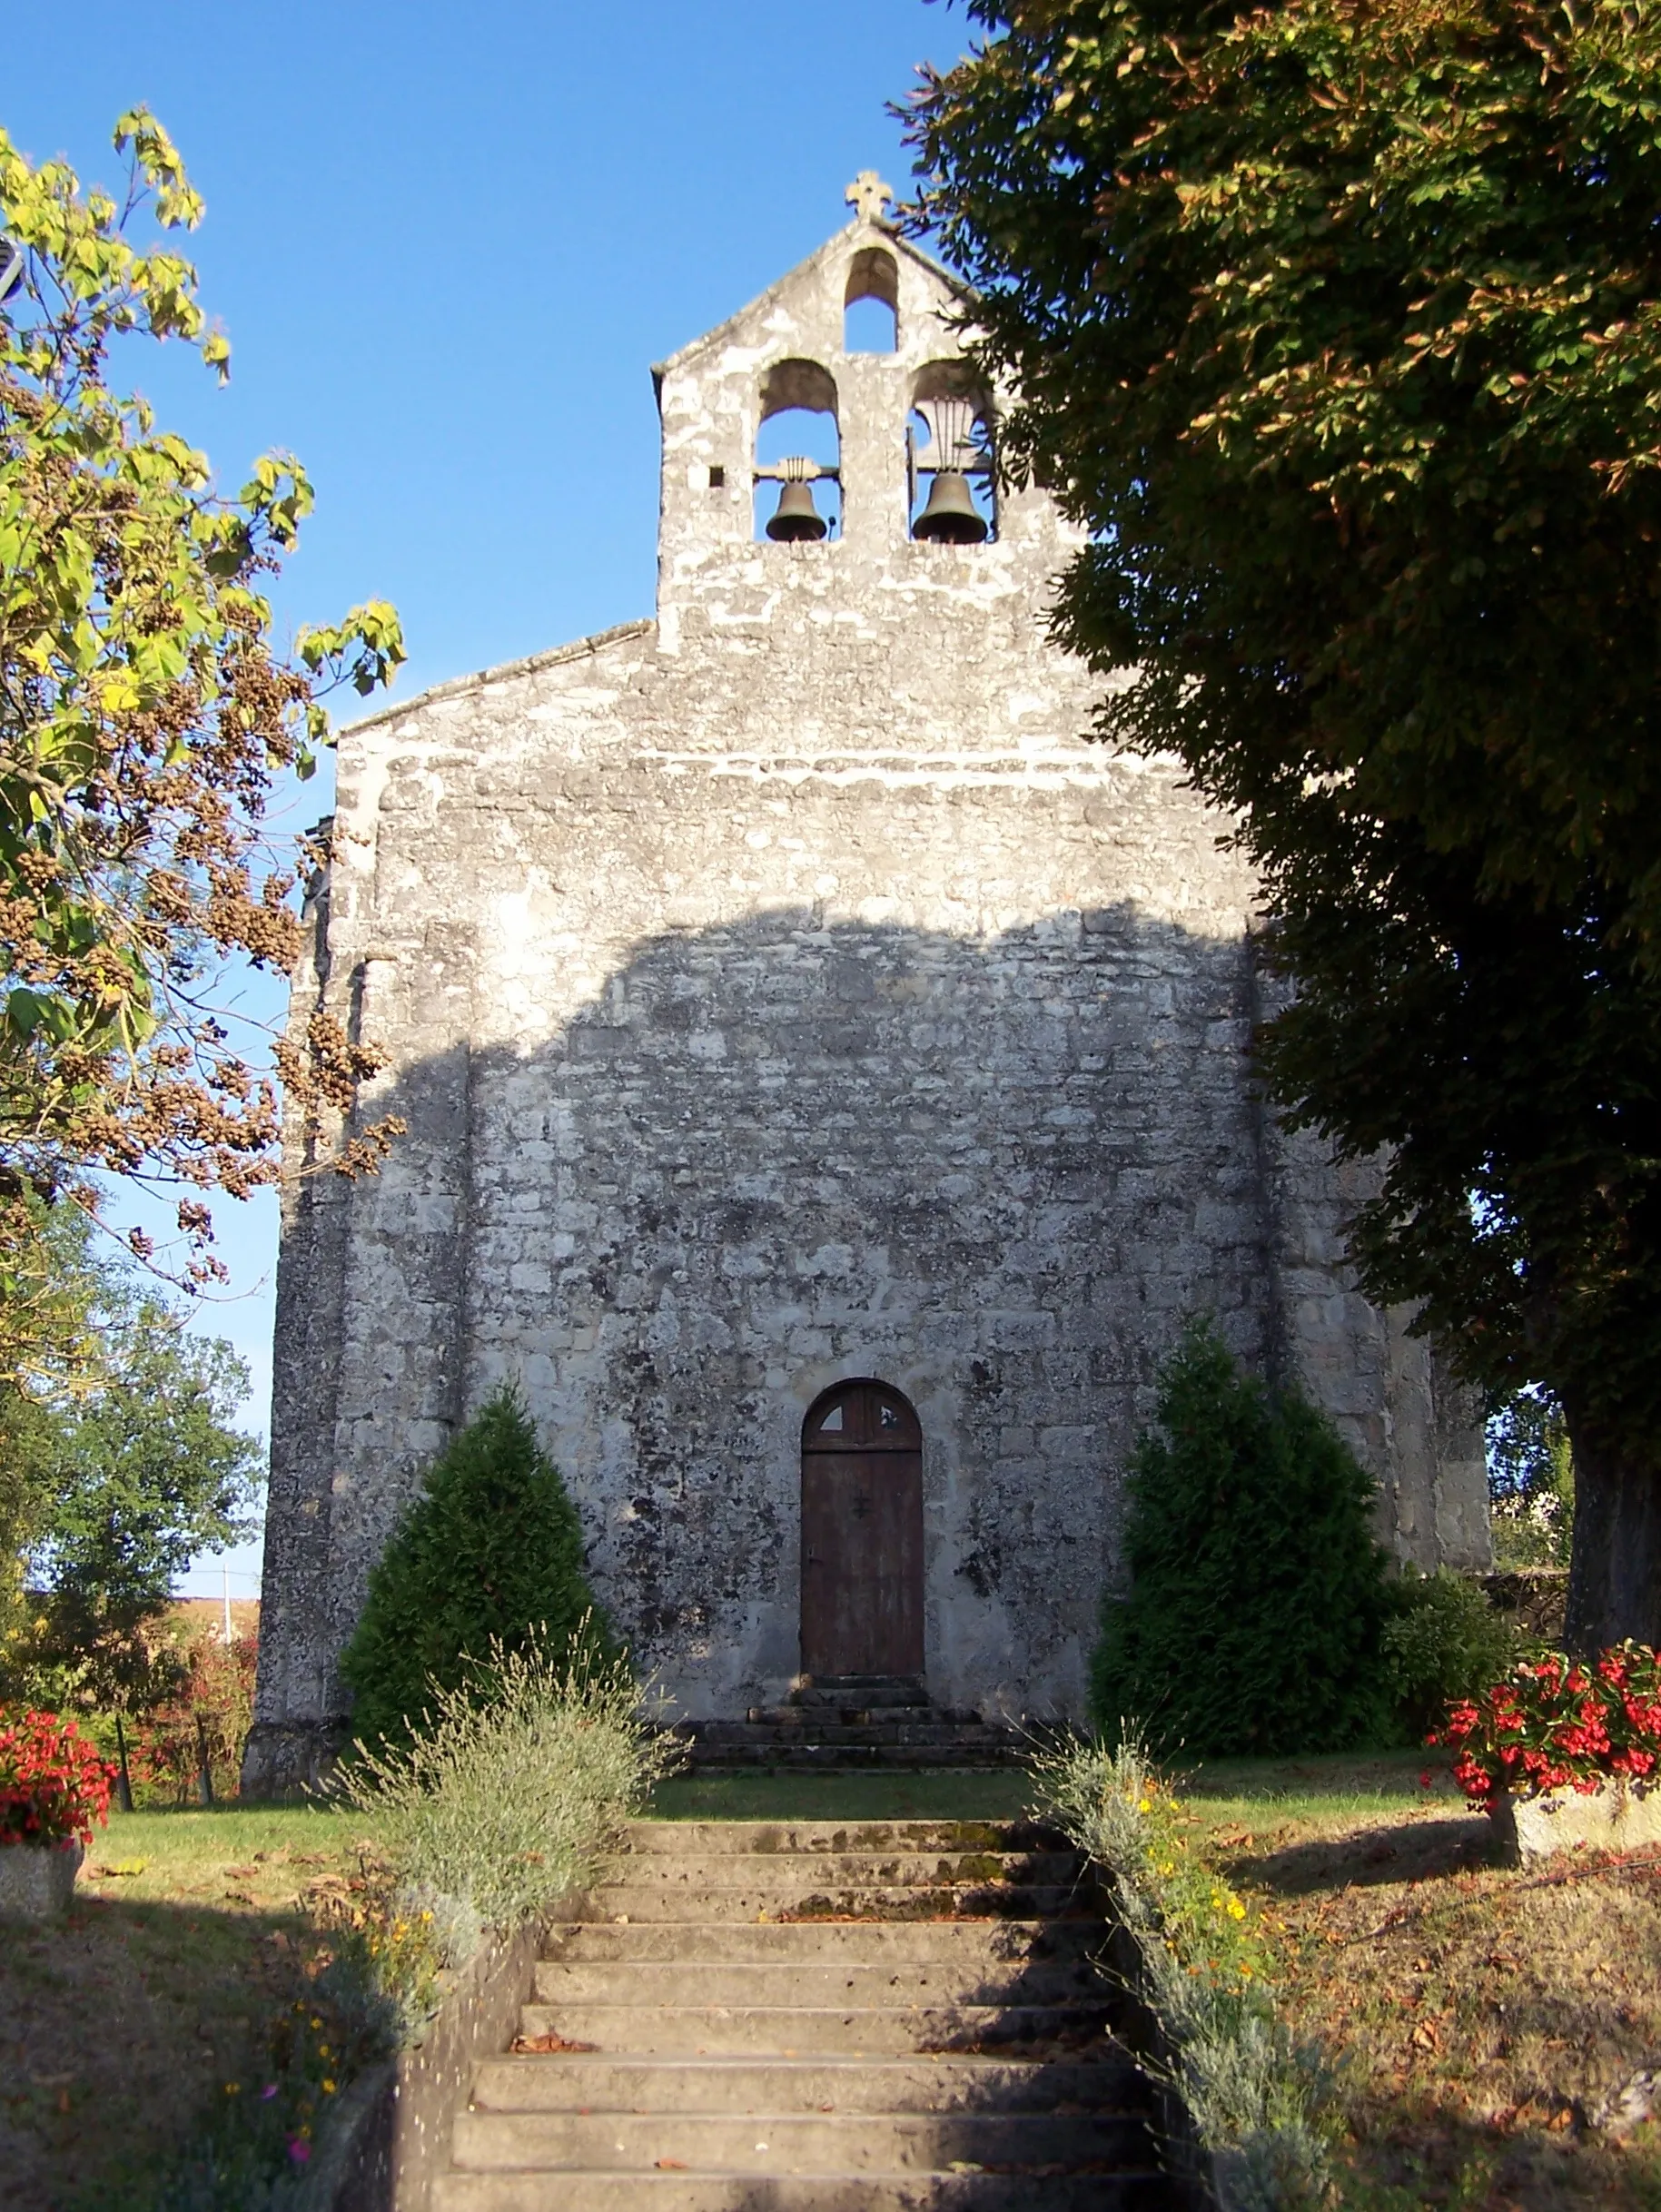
[[1144, 2189], [846, 1870], [861, 1690], [785, 2142], [847, 1729], [808, 1899], [602, 2081], [965, 1943], [793, 2030], [780, 1982], [818, 2017], [836, 1758], [704, 1839], [833, 1717]]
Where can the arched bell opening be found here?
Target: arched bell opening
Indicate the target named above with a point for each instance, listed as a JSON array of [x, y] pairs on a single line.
[[951, 467], [862, 1533], [871, 303], [798, 455]]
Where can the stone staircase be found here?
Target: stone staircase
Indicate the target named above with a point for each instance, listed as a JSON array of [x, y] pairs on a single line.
[[848, 1722], [768, 2018]]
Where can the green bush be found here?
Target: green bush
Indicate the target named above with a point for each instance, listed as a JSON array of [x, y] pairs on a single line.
[[490, 1554], [1443, 1640], [1257, 1596]]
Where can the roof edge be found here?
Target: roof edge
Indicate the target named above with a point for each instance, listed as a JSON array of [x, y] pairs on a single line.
[[530, 665]]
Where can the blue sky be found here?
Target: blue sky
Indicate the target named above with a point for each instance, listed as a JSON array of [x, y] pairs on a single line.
[[447, 243]]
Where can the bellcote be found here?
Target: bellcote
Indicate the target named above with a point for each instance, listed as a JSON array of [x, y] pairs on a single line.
[[845, 395]]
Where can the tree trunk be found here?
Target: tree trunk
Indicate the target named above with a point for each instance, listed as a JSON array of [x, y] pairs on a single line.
[[1614, 1571], [123, 1781]]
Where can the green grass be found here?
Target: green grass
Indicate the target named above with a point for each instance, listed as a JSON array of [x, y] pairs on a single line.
[[786, 1796], [1317, 1789], [185, 1851], [122, 2026]]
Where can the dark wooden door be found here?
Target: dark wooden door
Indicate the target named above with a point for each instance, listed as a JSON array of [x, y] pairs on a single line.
[[861, 1534]]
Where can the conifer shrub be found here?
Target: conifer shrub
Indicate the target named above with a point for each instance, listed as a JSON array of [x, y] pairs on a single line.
[[1257, 1599], [489, 1557]]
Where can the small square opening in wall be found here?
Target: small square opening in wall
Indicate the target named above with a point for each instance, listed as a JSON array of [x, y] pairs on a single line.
[[717, 479]]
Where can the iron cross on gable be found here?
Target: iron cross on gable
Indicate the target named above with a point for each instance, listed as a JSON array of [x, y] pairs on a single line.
[[868, 196]]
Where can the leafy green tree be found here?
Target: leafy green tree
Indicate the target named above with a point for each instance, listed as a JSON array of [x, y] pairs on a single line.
[[145, 1467], [1531, 1482], [1258, 1598], [126, 1470], [145, 714], [1340, 330], [491, 1552]]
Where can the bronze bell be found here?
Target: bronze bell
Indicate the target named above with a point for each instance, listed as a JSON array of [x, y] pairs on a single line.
[[796, 520], [950, 517]]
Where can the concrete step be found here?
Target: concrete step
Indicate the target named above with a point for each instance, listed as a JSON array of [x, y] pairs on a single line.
[[846, 1870], [602, 2081], [798, 1982], [808, 1899], [1144, 2189], [785, 2142], [797, 1839], [967, 1944], [793, 2030]]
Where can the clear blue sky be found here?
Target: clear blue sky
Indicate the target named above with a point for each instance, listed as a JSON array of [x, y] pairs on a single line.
[[448, 242]]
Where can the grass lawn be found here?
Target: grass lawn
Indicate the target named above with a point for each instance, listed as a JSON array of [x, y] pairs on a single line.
[[120, 2026], [1477, 2017]]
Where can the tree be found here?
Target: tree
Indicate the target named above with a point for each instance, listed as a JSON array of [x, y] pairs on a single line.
[[145, 714], [1257, 1597], [125, 1471], [491, 1552], [1340, 330], [1531, 1482]]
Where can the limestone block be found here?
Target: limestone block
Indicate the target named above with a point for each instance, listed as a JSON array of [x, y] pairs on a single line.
[[37, 1879], [1619, 1815]]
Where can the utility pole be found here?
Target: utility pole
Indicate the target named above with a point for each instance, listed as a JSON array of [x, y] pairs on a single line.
[[227, 1572]]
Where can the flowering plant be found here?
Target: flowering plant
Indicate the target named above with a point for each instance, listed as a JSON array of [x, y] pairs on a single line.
[[1557, 1722], [53, 1784]]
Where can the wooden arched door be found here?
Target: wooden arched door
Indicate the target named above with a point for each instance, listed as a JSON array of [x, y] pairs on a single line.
[[861, 1534]]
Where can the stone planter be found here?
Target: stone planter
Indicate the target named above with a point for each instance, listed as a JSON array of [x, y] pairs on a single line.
[[37, 1879], [1619, 1815]]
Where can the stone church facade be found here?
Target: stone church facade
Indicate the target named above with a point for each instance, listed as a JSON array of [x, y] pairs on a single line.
[[786, 993]]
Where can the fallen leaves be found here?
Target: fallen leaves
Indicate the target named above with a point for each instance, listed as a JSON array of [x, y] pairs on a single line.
[[551, 2045]]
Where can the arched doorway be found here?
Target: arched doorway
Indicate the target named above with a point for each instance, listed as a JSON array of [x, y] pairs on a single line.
[[861, 1534]]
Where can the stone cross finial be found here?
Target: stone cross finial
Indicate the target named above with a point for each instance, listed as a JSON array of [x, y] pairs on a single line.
[[868, 196]]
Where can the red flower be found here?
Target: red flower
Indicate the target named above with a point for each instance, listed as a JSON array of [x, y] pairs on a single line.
[[1554, 1723], [53, 1784]]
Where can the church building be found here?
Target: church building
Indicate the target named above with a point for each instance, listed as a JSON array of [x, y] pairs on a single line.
[[826, 1079]]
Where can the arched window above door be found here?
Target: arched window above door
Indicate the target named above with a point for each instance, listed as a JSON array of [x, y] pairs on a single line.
[[861, 1416]]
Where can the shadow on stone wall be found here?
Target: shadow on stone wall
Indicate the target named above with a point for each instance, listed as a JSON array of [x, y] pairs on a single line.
[[756, 1158]]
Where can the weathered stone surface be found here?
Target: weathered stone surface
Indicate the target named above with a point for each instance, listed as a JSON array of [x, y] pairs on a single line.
[[782, 992], [37, 1879], [1618, 1815]]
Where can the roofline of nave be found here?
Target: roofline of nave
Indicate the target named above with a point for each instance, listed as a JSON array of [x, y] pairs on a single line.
[[503, 672]]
